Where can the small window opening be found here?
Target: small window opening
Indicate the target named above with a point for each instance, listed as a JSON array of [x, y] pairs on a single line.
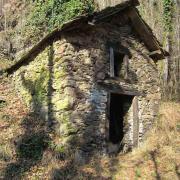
[[119, 106], [118, 63]]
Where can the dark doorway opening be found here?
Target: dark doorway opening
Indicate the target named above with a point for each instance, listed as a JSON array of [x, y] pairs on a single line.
[[119, 106], [118, 63]]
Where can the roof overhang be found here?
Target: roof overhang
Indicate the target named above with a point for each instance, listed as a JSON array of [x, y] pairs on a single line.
[[112, 10], [143, 30], [145, 33]]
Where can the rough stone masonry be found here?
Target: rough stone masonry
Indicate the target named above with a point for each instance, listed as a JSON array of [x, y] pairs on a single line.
[[69, 83]]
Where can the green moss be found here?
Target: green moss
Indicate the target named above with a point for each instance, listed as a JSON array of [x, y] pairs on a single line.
[[60, 148], [27, 97], [33, 82], [65, 116], [137, 173], [57, 85], [58, 59], [168, 14], [67, 129], [50, 14], [41, 86], [36, 88], [63, 104], [60, 73]]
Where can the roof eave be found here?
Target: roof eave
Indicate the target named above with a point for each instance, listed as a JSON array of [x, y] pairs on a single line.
[[111, 10], [146, 35], [155, 49]]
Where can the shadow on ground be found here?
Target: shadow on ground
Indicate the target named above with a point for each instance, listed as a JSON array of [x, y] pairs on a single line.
[[35, 139]]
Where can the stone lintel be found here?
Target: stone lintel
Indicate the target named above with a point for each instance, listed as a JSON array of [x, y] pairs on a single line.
[[114, 86]]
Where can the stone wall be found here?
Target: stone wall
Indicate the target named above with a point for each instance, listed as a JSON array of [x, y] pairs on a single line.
[[63, 85]]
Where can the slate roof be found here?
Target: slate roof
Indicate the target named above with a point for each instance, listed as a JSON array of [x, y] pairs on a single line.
[[142, 29]]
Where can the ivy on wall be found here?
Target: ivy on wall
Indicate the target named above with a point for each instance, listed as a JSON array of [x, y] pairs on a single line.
[[53, 13], [168, 14]]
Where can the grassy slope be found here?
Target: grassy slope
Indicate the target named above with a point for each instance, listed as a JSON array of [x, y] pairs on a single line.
[[23, 155], [158, 157]]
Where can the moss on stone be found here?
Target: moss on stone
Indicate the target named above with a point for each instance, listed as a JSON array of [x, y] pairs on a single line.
[[27, 98], [63, 104], [60, 148], [26, 95], [65, 116], [41, 86], [59, 73], [58, 59], [57, 85], [32, 82], [67, 129]]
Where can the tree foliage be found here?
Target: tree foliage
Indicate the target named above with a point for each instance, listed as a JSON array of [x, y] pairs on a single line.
[[47, 15], [168, 14], [53, 13]]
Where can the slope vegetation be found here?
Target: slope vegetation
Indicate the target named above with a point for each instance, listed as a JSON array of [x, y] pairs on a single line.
[[26, 152]]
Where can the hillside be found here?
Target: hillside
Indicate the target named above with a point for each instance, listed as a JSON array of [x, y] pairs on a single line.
[[54, 108], [25, 150], [24, 23]]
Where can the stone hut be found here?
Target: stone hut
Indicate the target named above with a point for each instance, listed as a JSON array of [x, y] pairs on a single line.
[[94, 81]]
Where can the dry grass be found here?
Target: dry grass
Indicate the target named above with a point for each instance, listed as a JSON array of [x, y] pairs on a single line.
[[4, 63], [157, 158]]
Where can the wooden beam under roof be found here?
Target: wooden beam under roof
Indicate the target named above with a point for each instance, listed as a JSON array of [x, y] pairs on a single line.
[[145, 34], [113, 8], [140, 27]]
